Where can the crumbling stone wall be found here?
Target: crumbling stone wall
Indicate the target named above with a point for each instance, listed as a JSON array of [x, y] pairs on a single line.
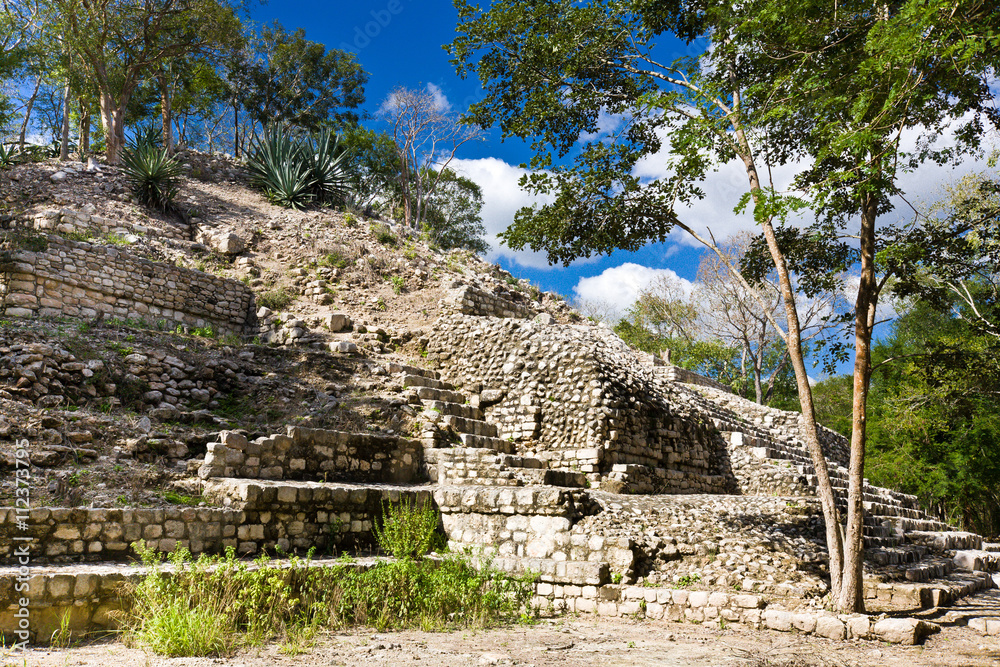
[[86, 221], [257, 516], [578, 399], [473, 300], [315, 454], [82, 280]]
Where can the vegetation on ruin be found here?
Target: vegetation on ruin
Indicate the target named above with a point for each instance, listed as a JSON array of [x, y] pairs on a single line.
[[213, 605]]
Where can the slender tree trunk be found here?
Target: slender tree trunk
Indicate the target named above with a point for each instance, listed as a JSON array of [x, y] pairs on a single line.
[[852, 592], [27, 112], [236, 129], [84, 129], [64, 135], [166, 95]]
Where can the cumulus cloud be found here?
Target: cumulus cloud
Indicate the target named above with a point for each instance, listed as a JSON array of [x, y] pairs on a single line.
[[439, 101], [502, 197], [619, 287]]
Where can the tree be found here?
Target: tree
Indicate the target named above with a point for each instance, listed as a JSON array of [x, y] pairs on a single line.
[[119, 43], [426, 136], [452, 215], [733, 314], [782, 81], [286, 79], [372, 159], [934, 425]]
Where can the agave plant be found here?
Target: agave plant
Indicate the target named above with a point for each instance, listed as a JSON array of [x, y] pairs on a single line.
[[8, 155], [294, 171], [331, 183], [153, 176], [279, 167]]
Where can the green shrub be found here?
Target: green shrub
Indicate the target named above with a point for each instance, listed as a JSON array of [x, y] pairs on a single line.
[[384, 235], [407, 531], [214, 605], [398, 283], [275, 299], [152, 175]]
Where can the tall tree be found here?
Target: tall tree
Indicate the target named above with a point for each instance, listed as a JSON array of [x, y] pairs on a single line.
[[782, 81], [452, 217], [287, 79], [120, 43]]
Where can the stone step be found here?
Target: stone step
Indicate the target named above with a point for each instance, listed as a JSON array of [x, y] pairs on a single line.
[[421, 381], [473, 426], [395, 368], [945, 540], [977, 560], [432, 394], [454, 410], [940, 592], [547, 570], [486, 442]]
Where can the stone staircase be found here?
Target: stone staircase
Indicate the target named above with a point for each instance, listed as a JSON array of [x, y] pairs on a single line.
[[461, 448], [913, 561]]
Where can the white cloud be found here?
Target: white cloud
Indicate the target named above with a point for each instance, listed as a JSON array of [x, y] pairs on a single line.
[[619, 286], [441, 103], [502, 197]]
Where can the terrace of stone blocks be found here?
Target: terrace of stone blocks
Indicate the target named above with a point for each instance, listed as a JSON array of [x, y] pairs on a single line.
[[267, 380]]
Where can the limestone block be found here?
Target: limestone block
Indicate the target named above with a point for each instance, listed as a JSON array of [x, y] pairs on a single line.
[[908, 631], [859, 627], [777, 619], [830, 627]]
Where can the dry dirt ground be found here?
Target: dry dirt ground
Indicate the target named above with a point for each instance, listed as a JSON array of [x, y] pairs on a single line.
[[568, 642]]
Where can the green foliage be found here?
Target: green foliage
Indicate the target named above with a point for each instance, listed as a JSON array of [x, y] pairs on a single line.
[[275, 299], [398, 284], [152, 175], [933, 425], [295, 171], [8, 155], [286, 79], [384, 235], [214, 605], [407, 531], [452, 217], [181, 499], [832, 402]]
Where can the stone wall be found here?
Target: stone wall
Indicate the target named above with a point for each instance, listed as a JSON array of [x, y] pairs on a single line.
[[472, 300], [82, 280], [532, 528], [257, 516], [314, 454], [677, 374], [86, 221], [578, 398]]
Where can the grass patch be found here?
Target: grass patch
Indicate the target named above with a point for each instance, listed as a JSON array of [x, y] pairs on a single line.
[[384, 235], [215, 605], [275, 299]]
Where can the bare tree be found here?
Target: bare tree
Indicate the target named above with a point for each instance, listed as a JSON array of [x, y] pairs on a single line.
[[740, 315], [427, 137]]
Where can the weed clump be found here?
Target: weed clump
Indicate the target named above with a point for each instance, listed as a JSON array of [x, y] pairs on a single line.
[[214, 605]]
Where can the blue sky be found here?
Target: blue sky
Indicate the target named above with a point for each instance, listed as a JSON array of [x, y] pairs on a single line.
[[399, 42]]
